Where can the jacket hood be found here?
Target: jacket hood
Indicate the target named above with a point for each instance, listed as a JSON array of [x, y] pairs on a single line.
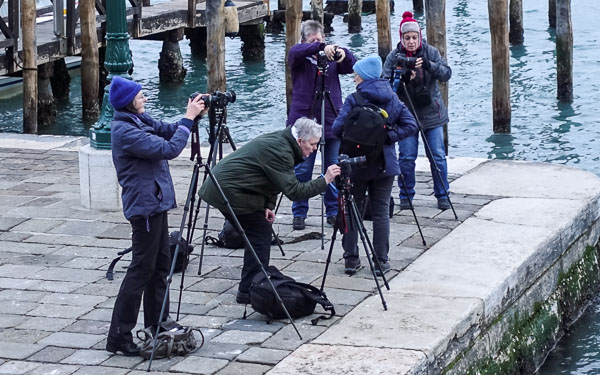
[[377, 91]]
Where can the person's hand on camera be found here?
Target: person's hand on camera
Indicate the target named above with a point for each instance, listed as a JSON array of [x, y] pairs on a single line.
[[269, 215], [333, 171], [422, 62], [407, 75], [341, 53], [195, 107], [330, 50]]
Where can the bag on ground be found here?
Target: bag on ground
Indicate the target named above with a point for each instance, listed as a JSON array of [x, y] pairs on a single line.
[[364, 131], [300, 299], [172, 340]]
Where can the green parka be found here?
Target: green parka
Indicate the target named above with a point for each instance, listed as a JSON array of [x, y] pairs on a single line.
[[255, 174]]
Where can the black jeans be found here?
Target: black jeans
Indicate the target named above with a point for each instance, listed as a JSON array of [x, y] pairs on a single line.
[[258, 231], [147, 275]]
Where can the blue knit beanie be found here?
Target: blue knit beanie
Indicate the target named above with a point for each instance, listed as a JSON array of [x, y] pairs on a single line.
[[122, 92], [368, 68]]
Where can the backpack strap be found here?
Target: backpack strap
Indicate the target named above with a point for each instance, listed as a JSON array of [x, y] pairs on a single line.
[[210, 240], [111, 268], [360, 100], [313, 293]]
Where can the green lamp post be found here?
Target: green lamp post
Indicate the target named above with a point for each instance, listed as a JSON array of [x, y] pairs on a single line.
[[118, 62]]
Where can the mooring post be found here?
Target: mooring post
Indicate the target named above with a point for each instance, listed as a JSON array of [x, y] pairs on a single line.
[[280, 4], [515, 35], [60, 80], [564, 50], [435, 11], [170, 62], [293, 18], [418, 6], [384, 34], [89, 61], [30, 84], [46, 106], [317, 11], [215, 40], [197, 38], [498, 15], [354, 16], [552, 13], [253, 39]]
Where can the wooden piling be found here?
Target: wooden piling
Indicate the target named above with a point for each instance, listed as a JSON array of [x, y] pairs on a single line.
[[280, 4], [46, 112], [498, 16], [253, 39], [293, 17], [384, 34], [215, 49], [170, 62], [197, 38], [30, 84], [60, 80], [564, 50], [552, 13], [354, 16], [515, 35], [317, 11], [89, 60], [418, 6]]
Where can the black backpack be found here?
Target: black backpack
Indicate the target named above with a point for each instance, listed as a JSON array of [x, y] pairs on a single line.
[[300, 299], [184, 251], [228, 237], [364, 131]]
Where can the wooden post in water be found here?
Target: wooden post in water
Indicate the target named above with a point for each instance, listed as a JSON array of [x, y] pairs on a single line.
[[90, 70], [515, 35], [498, 15], [30, 84], [46, 108], [435, 11], [317, 11], [354, 19], [384, 34], [417, 6], [293, 18], [215, 45], [552, 13], [564, 50]]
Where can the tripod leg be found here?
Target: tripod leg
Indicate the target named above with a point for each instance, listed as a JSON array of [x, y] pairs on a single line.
[[412, 209], [278, 242], [186, 210], [240, 230], [328, 261], [362, 232]]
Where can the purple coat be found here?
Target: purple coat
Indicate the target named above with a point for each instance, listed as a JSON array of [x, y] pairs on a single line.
[[304, 83]]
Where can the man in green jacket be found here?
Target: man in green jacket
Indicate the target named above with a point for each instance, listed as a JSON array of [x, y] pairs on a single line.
[[251, 179]]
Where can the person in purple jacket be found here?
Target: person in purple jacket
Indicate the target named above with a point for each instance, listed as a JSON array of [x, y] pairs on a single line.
[[302, 59], [141, 147]]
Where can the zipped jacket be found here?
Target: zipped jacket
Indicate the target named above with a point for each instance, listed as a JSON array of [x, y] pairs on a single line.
[[141, 147]]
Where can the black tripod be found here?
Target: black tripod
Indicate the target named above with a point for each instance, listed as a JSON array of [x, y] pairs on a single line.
[[348, 216], [426, 145], [322, 94], [191, 224]]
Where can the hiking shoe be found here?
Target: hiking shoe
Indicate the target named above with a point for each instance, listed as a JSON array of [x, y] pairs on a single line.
[[404, 204], [443, 203], [243, 298], [385, 268], [351, 265], [298, 223], [129, 349], [331, 219]]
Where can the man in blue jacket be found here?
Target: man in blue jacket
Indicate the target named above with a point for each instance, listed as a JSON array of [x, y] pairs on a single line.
[[302, 59], [141, 147], [377, 177]]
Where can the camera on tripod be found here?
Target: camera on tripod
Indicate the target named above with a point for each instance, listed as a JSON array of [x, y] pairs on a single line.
[[347, 164], [406, 62], [216, 99], [322, 59]]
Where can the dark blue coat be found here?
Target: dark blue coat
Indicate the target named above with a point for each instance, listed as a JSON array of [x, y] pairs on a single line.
[[141, 147], [403, 124]]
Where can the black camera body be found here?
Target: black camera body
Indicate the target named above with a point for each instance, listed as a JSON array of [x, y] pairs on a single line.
[[216, 99], [406, 62], [322, 59], [347, 164]]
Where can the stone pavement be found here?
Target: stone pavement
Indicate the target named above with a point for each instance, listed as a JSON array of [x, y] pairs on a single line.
[[56, 302]]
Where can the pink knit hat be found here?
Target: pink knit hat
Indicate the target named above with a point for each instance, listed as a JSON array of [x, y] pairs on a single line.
[[409, 24]]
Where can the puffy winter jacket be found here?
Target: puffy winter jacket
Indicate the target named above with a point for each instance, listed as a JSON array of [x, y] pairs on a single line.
[[141, 147], [403, 124]]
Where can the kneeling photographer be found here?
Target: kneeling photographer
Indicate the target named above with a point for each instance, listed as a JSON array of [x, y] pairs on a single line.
[[378, 176], [141, 147], [252, 177]]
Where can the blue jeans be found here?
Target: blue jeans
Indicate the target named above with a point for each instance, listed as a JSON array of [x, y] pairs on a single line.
[[409, 147], [304, 173], [380, 190]]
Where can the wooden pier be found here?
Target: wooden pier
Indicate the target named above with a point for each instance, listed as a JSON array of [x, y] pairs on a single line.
[[149, 22]]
